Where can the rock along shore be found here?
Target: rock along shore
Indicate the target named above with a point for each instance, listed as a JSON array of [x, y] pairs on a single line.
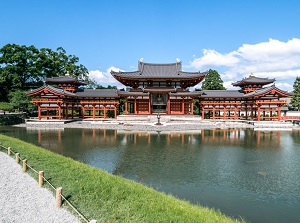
[[138, 126], [165, 126]]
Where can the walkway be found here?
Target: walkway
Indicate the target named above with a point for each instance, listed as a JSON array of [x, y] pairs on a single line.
[[21, 199]]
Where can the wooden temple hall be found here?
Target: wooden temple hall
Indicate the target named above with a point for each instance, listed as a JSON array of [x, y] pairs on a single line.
[[163, 89]]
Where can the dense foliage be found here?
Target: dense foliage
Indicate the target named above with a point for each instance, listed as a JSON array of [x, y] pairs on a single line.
[[213, 81], [295, 102], [24, 67]]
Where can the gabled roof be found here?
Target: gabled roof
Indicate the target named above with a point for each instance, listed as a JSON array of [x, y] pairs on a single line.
[[102, 93], [252, 80], [65, 80], [268, 90], [50, 89], [158, 71], [222, 94]]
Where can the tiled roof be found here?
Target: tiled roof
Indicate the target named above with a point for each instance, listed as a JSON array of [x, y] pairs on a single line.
[[134, 93], [193, 93], [51, 89], [222, 94], [154, 71], [105, 93], [253, 80], [266, 90], [159, 89], [64, 79]]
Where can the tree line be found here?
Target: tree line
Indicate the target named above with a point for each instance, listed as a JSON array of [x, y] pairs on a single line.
[[26, 67]]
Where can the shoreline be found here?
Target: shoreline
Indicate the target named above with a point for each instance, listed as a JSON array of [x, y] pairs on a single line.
[[165, 126]]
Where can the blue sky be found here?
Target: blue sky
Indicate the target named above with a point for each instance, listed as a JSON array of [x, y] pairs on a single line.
[[233, 37]]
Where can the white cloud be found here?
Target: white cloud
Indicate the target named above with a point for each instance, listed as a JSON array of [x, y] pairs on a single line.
[[272, 59], [213, 58], [104, 78]]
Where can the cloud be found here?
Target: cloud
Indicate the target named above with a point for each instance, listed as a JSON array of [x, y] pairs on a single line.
[[213, 58], [104, 78], [272, 59]]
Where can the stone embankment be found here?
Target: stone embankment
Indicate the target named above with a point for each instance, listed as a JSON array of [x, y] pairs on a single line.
[[137, 126], [153, 126]]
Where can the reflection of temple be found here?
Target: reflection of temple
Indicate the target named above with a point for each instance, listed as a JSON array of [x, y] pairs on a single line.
[[160, 88]]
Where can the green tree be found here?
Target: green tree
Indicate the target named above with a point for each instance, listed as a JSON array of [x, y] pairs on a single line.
[[213, 81], [17, 67], [23, 67], [19, 100], [295, 102]]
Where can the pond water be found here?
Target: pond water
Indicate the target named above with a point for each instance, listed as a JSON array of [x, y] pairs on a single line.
[[254, 175]]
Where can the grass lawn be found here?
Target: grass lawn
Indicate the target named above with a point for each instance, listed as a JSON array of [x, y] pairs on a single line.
[[108, 198]]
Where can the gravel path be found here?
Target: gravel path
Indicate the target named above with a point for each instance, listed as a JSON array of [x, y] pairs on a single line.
[[21, 199]]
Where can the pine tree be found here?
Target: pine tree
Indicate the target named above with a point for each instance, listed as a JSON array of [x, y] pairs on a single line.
[[213, 81], [296, 94]]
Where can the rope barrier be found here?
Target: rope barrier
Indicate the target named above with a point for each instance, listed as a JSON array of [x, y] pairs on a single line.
[[51, 185], [72, 206]]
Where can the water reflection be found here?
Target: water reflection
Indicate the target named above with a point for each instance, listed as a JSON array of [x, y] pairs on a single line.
[[254, 174]]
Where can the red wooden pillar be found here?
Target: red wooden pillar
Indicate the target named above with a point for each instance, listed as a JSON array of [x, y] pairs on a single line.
[[72, 111], [149, 105], [39, 111], [135, 110], [192, 107], [224, 112], [235, 112], [59, 112], [182, 106], [202, 106], [258, 113], [169, 105], [67, 108], [278, 113], [126, 106], [94, 111], [115, 112], [213, 112], [82, 108], [104, 111]]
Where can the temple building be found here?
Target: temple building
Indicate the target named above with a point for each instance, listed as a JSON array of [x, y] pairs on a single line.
[[159, 88], [253, 101], [66, 100]]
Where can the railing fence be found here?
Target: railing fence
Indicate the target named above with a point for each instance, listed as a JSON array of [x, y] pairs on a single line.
[[41, 179]]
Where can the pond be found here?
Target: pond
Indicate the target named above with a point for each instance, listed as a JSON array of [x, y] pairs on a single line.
[[254, 175]]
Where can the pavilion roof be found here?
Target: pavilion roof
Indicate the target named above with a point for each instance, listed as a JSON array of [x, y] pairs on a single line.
[[102, 93], [48, 88], [252, 80], [150, 71], [268, 92], [222, 94], [65, 80]]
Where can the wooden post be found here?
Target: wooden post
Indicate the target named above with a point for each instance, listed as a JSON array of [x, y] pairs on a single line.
[[58, 197], [41, 178], [24, 166], [17, 157], [8, 151]]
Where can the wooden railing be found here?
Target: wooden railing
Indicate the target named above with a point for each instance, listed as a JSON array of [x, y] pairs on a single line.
[[41, 180]]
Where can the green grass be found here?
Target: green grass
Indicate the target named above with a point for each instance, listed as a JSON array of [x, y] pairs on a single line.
[[108, 198]]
